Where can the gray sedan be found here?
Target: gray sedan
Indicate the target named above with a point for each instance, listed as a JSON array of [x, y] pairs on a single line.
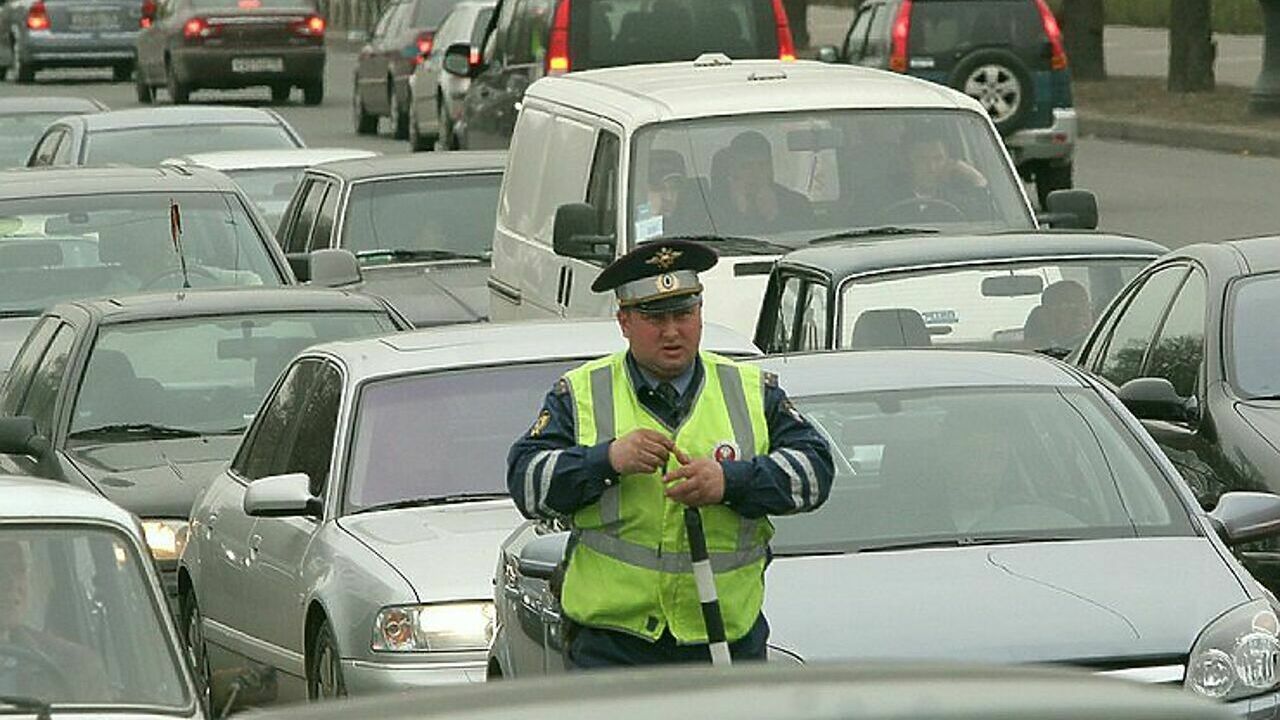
[[349, 547], [989, 507]]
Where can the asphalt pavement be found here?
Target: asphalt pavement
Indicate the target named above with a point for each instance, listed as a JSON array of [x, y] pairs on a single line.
[[1169, 195]]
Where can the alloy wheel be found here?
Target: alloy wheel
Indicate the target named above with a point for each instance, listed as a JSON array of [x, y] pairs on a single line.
[[997, 88]]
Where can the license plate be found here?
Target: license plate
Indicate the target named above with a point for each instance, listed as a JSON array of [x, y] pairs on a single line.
[[248, 65], [94, 21]]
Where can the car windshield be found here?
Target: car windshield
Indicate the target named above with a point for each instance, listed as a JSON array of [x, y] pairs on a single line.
[[62, 248], [1030, 305], [793, 177], [484, 409], [81, 625], [454, 214], [151, 145], [1254, 344], [631, 32], [18, 135], [429, 13], [202, 374], [269, 188], [948, 464]]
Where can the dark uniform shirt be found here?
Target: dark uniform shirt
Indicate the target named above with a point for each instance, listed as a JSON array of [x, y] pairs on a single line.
[[753, 488]]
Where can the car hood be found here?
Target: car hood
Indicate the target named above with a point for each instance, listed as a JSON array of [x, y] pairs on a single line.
[[1264, 417], [432, 293], [13, 331], [446, 552], [154, 478], [1039, 602]]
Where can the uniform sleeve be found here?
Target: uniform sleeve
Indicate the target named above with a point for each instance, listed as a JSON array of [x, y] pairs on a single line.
[[794, 477], [548, 474]]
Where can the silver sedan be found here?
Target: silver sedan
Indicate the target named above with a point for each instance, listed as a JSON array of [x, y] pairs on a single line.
[[435, 96]]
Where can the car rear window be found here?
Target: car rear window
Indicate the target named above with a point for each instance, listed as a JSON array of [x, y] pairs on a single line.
[[447, 214], [150, 145], [941, 27], [627, 32], [430, 13]]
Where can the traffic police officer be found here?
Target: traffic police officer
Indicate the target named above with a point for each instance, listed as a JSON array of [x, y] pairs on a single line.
[[622, 444]]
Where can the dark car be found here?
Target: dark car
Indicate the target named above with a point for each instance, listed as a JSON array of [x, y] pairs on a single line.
[[151, 135], [144, 398], [1014, 290], [38, 34], [1191, 347], [70, 233], [192, 44], [23, 119], [528, 39], [420, 226], [403, 36], [1008, 54]]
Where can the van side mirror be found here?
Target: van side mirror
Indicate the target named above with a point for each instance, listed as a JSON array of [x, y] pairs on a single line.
[[281, 496], [18, 436], [828, 54], [542, 555], [1244, 516], [1153, 398], [576, 234], [457, 60], [1073, 209]]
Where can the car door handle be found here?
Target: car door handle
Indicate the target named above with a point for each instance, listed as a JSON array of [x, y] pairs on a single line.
[[505, 291], [208, 525], [255, 542]]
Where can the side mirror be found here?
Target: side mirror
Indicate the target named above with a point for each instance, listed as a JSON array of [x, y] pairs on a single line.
[[542, 555], [1153, 398], [18, 436], [281, 496], [1244, 516], [575, 234], [828, 54], [1074, 209], [457, 60], [334, 267]]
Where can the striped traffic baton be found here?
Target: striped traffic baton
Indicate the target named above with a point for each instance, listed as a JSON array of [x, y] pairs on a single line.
[[706, 582]]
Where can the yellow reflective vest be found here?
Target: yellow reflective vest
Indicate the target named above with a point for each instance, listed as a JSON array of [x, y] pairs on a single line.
[[630, 567]]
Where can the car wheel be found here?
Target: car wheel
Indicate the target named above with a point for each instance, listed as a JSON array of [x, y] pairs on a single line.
[[280, 93], [146, 94], [197, 651], [365, 123], [445, 140], [179, 93], [399, 116], [324, 666], [1051, 176], [998, 80], [417, 141], [121, 73], [23, 72], [313, 92]]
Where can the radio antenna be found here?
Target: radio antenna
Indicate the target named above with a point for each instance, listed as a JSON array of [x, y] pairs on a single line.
[[175, 232]]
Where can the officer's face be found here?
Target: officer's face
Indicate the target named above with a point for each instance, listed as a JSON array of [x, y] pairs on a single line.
[[663, 343]]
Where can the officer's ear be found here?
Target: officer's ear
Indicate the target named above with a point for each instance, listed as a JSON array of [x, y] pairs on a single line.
[[625, 318]]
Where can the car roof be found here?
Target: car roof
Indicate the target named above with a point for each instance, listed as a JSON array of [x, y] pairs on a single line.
[[846, 371], [109, 180], [49, 104], [412, 164], [38, 499], [477, 345], [853, 257], [218, 301], [1261, 254], [172, 116], [673, 91], [283, 158]]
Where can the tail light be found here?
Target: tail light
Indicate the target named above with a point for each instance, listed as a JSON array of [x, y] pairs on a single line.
[[148, 13], [311, 26], [1058, 56], [786, 45], [898, 38], [558, 47], [473, 58], [426, 40], [37, 17], [192, 28]]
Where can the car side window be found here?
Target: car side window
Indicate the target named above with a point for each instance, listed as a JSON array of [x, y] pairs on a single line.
[[267, 450], [312, 442], [1178, 352], [47, 149], [323, 230], [62, 155], [785, 317], [856, 41], [876, 47], [300, 230], [42, 397], [602, 187], [1131, 335], [813, 317], [24, 365], [494, 50]]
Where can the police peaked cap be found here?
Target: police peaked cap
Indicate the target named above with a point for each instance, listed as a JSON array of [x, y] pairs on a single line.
[[658, 276]]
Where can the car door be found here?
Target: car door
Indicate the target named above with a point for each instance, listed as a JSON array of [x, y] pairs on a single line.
[[485, 94], [371, 66], [18, 382], [603, 187], [43, 401]]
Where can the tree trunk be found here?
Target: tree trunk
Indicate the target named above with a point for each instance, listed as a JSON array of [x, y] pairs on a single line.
[[1082, 22], [1191, 46], [798, 17]]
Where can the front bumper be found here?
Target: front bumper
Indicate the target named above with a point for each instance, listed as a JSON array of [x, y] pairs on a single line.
[[211, 67], [363, 677], [1262, 707], [87, 49], [1056, 142]]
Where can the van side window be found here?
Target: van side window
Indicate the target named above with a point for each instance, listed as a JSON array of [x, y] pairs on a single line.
[[602, 189], [520, 187]]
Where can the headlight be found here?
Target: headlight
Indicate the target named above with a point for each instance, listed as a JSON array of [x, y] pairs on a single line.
[[166, 538], [1236, 655], [447, 626]]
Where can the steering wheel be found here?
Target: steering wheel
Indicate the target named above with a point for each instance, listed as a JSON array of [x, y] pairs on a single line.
[[191, 270], [30, 660], [927, 208]]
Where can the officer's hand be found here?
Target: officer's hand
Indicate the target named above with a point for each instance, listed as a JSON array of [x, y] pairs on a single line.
[[696, 482], [640, 451]]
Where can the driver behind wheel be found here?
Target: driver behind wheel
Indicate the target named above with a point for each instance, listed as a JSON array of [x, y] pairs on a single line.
[[937, 180], [81, 677]]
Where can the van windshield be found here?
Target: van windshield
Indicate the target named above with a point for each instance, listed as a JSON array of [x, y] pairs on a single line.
[[796, 176]]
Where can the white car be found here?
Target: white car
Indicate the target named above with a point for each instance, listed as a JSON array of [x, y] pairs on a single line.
[[435, 96]]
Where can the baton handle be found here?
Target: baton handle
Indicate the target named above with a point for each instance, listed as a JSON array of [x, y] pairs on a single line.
[[705, 580]]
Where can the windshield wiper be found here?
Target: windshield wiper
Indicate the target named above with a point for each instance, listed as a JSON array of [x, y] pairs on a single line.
[[738, 240], [21, 313], [425, 254], [24, 705], [873, 232], [451, 499], [966, 541], [139, 430]]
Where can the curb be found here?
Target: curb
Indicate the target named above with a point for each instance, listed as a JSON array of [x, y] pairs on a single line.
[[1183, 135]]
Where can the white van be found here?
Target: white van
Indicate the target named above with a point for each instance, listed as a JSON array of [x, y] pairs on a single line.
[[756, 157]]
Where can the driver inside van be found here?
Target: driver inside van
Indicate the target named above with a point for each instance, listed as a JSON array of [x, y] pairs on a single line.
[[936, 177], [756, 202]]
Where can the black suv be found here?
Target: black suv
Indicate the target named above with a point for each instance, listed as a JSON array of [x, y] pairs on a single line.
[[527, 39], [1007, 54]]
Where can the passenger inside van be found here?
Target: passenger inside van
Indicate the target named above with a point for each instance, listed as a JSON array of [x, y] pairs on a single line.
[[750, 200]]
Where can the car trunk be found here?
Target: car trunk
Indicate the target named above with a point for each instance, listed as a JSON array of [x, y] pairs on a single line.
[[257, 27], [91, 16]]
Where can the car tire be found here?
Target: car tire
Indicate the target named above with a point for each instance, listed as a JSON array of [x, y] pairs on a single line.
[[324, 666], [445, 140], [179, 93], [313, 92], [399, 116], [197, 651], [417, 141], [1050, 176], [146, 94], [23, 72], [1000, 81], [280, 93], [365, 123], [122, 72]]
